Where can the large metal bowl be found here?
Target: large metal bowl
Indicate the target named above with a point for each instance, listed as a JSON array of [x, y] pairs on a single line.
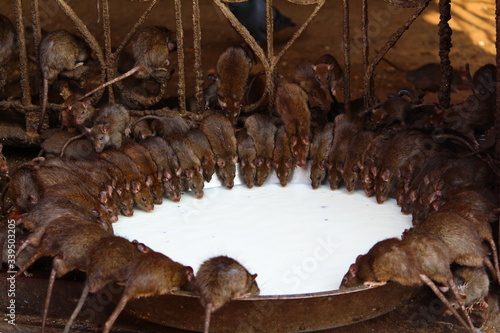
[[290, 313]]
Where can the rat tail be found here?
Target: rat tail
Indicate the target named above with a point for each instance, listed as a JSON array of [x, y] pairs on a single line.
[[394, 65], [208, 312]]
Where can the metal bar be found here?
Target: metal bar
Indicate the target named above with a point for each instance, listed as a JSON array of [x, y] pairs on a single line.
[[444, 52], [181, 87], [368, 85], [197, 57], [107, 47], [347, 58], [23, 58]]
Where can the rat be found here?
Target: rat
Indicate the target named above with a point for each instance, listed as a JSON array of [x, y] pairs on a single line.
[[303, 75], [201, 147], [8, 41], [22, 189], [473, 285], [328, 73], [247, 154], [291, 105], [150, 274], [352, 165], [319, 152], [428, 76], [60, 51], [151, 46], [220, 133], [69, 241], [233, 69], [283, 161], [146, 165], [168, 166], [4, 167], [142, 130], [262, 130], [423, 259], [110, 124], [401, 148], [220, 280], [190, 164], [107, 262], [135, 181], [345, 127], [168, 125], [76, 114]]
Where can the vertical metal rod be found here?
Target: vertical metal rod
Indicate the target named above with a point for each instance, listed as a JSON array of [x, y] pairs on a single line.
[[444, 52], [197, 57], [23, 58], [181, 87], [270, 28], [368, 82], [497, 113], [107, 47], [37, 29], [347, 58]]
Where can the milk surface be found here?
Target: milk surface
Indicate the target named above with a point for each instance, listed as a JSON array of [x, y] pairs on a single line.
[[298, 240]]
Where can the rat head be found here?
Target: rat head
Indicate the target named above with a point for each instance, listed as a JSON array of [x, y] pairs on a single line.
[[251, 286], [226, 170], [143, 197], [318, 174], [99, 136], [383, 186], [323, 74], [351, 176], [300, 149], [172, 185], [248, 169], [195, 181], [82, 111], [263, 169], [283, 171], [231, 108]]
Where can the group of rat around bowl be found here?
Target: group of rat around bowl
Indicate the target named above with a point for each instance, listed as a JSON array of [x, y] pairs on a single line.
[[389, 150]]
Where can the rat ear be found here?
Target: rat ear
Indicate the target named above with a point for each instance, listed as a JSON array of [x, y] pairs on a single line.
[[293, 142], [105, 128], [235, 158], [188, 173], [353, 270], [189, 273], [242, 163], [33, 199], [127, 185], [86, 129], [386, 175], [167, 175], [313, 67], [149, 180], [221, 162], [254, 276], [305, 140], [103, 197], [179, 171], [141, 247], [413, 195], [109, 189], [426, 180]]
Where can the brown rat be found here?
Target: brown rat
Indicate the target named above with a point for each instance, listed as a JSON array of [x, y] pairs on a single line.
[[76, 114], [190, 164], [220, 280], [352, 165], [291, 105], [8, 42], [142, 130], [201, 147], [220, 133], [150, 274], [69, 241], [304, 76], [345, 127], [247, 155], [473, 285], [401, 148], [135, 181], [283, 161], [107, 262], [233, 69], [60, 51], [110, 124], [167, 164], [423, 259], [328, 73], [22, 189], [319, 152], [262, 130], [146, 165], [151, 46]]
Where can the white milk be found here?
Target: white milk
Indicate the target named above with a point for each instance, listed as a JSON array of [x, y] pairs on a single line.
[[297, 239]]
